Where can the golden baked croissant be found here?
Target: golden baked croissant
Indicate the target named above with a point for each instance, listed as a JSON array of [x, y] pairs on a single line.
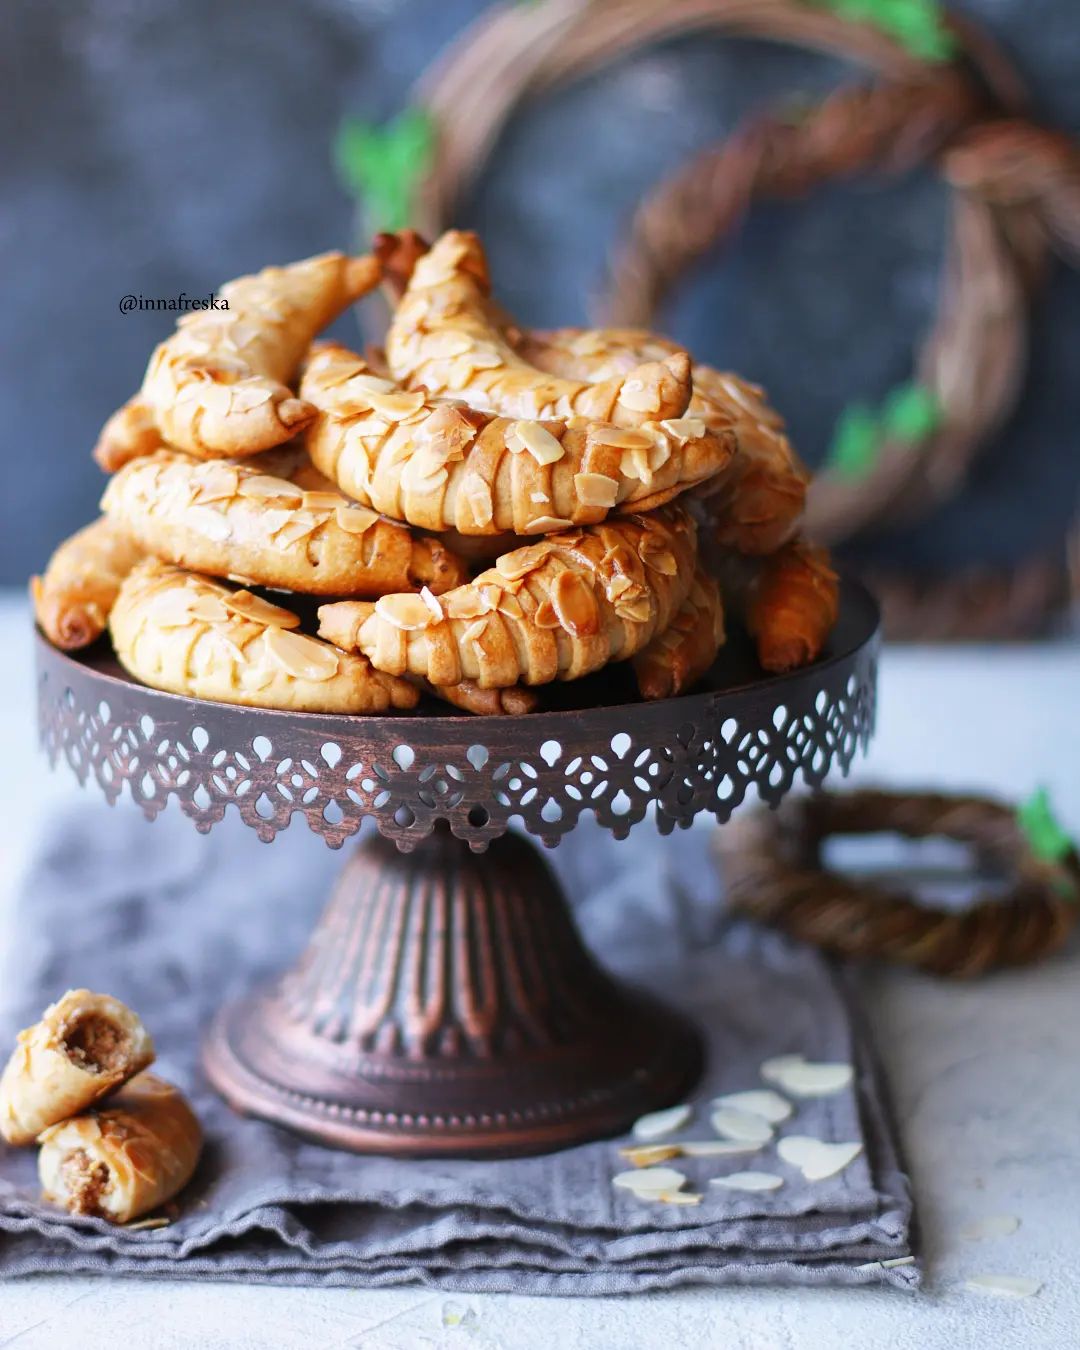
[[557, 609], [85, 1046], [791, 605], [233, 519], [758, 499], [183, 633], [73, 599], [127, 1157], [219, 386], [447, 338], [679, 656], [131, 431], [442, 465]]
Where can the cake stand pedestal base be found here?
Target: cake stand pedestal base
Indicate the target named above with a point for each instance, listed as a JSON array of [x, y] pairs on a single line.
[[446, 1005]]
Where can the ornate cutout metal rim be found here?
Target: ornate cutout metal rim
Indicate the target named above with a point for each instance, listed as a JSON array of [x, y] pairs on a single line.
[[700, 752]]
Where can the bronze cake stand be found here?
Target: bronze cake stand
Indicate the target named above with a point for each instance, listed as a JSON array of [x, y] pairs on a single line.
[[445, 1003]]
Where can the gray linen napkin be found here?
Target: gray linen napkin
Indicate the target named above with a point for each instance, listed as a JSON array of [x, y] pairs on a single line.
[[174, 923]]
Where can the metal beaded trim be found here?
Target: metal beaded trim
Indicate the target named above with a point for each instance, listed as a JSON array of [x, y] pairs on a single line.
[[702, 752]]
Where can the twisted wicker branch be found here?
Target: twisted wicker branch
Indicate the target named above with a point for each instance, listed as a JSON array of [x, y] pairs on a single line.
[[773, 872]]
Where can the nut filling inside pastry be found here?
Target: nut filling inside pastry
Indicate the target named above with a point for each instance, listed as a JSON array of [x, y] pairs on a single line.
[[96, 1043], [85, 1181]]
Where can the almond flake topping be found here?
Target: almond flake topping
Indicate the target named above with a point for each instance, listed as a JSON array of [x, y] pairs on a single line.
[[535, 437], [355, 519], [522, 561], [575, 605], [206, 521], [684, 429], [623, 438], [396, 407], [432, 603], [258, 610], [464, 603], [547, 525], [263, 485], [638, 396], [404, 611], [596, 489], [302, 657], [475, 631], [321, 501]]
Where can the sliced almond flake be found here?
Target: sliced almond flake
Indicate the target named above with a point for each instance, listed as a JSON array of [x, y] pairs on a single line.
[[639, 396], [364, 384], [621, 438], [657, 1124], [596, 489], [355, 519], [1004, 1286], [645, 1179], [716, 1148], [264, 486], [442, 345], [545, 616], [206, 521], [573, 601], [635, 611], [539, 498], [216, 399], [208, 609], [258, 610], [510, 605], [990, 1226], [256, 677], [802, 1078], [298, 527], [247, 397], [815, 1158], [540, 443], [674, 1197], [395, 407], [659, 558], [477, 493], [301, 657], [748, 1181], [546, 525], [522, 561], [635, 464], [741, 1126], [464, 603], [215, 482], [648, 1155], [759, 1102], [321, 501], [432, 603], [484, 357], [618, 585], [404, 611], [684, 429], [659, 456]]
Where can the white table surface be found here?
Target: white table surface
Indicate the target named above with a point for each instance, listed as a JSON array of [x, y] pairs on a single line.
[[985, 1080]]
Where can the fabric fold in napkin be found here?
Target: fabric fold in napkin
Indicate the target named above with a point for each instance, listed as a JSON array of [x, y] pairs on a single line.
[[173, 923]]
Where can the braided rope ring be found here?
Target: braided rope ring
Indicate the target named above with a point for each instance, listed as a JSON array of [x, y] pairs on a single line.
[[772, 864]]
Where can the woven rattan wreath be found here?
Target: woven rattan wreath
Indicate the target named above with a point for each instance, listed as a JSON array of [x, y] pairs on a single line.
[[773, 871], [970, 364]]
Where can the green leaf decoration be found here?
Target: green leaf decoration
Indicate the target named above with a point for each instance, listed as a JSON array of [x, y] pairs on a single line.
[[910, 414], [383, 166], [1043, 831], [856, 442], [918, 25]]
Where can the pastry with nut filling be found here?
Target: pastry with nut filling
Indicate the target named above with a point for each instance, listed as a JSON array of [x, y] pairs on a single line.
[[677, 658], [125, 1158], [555, 610], [791, 602], [84, 1047], [73, 599], [440, 464], [757, 500], [230, 518], [448, 338], [220, 385], [189, 635], [131, 431]]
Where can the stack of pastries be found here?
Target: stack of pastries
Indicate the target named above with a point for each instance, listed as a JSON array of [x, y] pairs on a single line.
[[481, 510]]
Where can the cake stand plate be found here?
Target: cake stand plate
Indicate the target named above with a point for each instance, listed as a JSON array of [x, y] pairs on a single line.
[[445, 1003]]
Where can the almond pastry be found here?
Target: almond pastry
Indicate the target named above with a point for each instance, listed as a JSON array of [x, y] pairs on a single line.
[[125, 1158], [678, 657], [557, 609], [189, 635], [233, 519], [442, 465], [220, 385], [131, 431], [758, 499], [86, 1045], [448, 338], [73, 599], [791, 605]]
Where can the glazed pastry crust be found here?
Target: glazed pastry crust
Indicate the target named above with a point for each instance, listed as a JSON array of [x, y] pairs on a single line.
[[131, 431], [219, 386], [756, 501], [792, 605], [448, 338], [126, 1158], [85, 1046], [73, 599], [235, 519], [189, 635], [515, 701], [678, 657], [442, 465], [557, 609]]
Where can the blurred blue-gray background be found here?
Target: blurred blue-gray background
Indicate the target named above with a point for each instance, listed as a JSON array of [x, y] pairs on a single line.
[[154, 147]]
